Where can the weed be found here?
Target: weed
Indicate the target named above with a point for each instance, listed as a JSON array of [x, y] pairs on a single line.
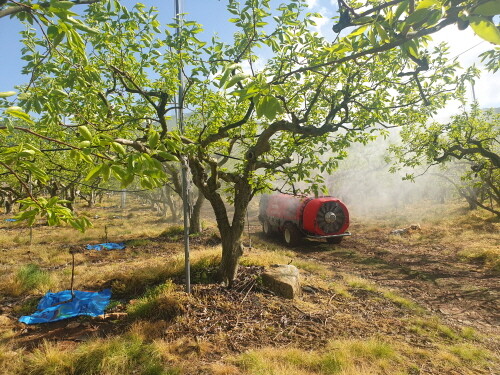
[[401, 301], [10, 359], [359, 283], [157, 303], [468, 333], [28, 278], [433, 327], [470, 353], [204, 270], [173, 232], [489, 257]]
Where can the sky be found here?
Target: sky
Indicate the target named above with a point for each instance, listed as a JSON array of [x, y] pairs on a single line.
[[213, 15]]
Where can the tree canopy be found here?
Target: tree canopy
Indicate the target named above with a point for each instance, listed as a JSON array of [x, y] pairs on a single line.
[[109, 91]]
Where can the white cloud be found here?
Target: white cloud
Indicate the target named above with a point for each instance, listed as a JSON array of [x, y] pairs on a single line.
[[311, 3]]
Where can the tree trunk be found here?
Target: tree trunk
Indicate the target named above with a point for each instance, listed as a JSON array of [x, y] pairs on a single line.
[[195, 219], [232, 250]]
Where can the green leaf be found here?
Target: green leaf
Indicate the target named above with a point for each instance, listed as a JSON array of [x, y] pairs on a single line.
[[106, 172], [491, 8], [358, 31], [6, 94], [154, 137], [269, 106], [118, 148], [428, 4], [85, 133], [235, 79], [85, 28], [485, 29], [94, 172], [381, 32], [417, 16], [227, 71], [18, 113], [167, 156], [62, 4], [411, 48], [400, 9]]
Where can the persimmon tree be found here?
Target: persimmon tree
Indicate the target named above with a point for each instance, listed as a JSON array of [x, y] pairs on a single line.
[[473, 137], [278, 103]]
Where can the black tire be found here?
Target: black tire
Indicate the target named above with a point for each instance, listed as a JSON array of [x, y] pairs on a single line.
[[266, 228], [291, 235], [334, 240]]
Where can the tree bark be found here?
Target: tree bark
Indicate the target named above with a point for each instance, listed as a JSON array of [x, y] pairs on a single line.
[[195, 219], [230, 232]]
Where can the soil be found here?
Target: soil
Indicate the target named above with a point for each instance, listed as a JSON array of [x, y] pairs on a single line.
[[248, 316], [460, 292]]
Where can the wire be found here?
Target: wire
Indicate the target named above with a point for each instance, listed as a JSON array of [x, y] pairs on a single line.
[[467, 50]]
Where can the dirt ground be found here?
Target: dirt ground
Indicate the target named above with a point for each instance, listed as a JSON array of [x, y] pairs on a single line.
[[420, 267], [429, 274]]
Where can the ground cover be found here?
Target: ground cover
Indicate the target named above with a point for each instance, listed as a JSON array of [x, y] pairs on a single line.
[[426, 303]]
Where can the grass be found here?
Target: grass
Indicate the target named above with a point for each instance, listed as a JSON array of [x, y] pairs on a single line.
[[488, 255], [470, 353], [128, 354], [157, 303], [360, 283], [28, 278], [339, 357], [432, 327], [145, 275]]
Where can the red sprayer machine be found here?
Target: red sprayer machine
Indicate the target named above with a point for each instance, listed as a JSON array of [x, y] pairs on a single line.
[[297, 217]]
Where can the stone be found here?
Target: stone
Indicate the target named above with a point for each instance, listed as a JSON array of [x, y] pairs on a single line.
[[283, 280]]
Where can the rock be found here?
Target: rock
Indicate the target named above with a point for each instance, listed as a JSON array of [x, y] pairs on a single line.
[[283, 280]]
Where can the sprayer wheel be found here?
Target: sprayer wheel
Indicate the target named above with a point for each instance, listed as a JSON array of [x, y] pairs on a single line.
[[266, 227], [291, 234], [334, 240]]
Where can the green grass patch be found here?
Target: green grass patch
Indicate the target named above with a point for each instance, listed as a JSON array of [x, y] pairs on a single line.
[[489, 257], [159, 302], [401, 301], [470, 353], [432, 327], [31, 278]]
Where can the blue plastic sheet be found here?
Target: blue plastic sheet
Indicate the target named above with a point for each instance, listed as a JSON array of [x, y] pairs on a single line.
[[11, 220], [58, 306], [107, 246]]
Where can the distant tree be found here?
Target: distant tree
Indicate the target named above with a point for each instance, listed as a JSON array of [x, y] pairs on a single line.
[[472, 137]]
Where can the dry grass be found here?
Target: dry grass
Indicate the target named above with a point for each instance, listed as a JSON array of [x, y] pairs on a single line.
[[347, 357], [144, 273]]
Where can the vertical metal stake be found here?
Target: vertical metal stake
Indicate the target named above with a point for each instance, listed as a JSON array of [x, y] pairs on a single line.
[[72, 275], [184, 166]]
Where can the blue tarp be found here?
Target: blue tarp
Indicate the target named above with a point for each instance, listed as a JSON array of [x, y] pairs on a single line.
[[107, 246], [11, 220], [50, 308]]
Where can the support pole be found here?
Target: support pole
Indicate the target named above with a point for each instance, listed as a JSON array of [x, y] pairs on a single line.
[[184, 162]]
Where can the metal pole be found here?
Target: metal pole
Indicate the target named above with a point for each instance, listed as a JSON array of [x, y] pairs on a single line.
[[184, 164]]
